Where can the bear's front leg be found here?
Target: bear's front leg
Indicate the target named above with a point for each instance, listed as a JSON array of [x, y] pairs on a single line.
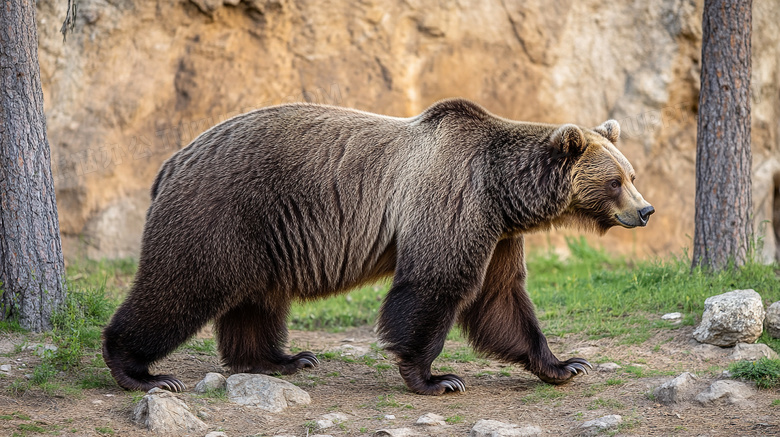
[[501, 322], [414, 323]]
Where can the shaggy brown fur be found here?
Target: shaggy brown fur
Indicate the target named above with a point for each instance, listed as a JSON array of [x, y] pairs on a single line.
[[303, 201]]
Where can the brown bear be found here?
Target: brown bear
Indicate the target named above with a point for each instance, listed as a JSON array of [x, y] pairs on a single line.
[[303, 201]]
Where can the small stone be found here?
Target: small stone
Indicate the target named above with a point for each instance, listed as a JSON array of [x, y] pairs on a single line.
[[40, 349], [389, 417], [331, 419], [676, 390], [672, 316], [431, 419], [97, 402], [5, 368], [494, 428], [751, 352], [265, 392], [733, 392], [731, 318], [212, 381], [323, 424], [772, 320], [349, 350], [28, 376], [608, 367], [161, 412], [597, 426], [396, 432], [216, 434]]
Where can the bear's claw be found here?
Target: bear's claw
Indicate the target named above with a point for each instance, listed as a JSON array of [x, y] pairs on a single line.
[[168, 382], [450, 382], [566, 371], [307, 359]]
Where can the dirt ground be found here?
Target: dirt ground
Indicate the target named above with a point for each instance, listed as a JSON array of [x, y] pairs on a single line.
[[367, 392]]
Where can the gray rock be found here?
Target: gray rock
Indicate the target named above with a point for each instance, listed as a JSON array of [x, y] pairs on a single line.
[[212, 381], [772, 320], [597, 426], [733, 392], [708, 352], [679, 389], [265, 392], [216, 434], [331, 419], [494, 428], [5, 368], [731, 318], [396, 432], [161, 412], [390, 416], [608, 367], [751, 352], [431, 419]]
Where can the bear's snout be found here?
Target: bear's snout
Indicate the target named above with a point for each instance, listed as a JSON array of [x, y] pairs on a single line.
[[644, 214]]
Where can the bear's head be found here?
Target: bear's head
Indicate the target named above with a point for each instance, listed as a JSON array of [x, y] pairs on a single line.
[[603, 192]]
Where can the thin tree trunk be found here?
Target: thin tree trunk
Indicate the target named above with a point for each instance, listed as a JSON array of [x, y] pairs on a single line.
[[724, 224], [31, 264]]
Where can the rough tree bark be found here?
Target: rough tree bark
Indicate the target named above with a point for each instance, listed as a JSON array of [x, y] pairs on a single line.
[[724, 223], [31, 263]]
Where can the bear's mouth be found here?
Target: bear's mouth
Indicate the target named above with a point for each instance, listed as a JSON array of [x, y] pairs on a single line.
[[624, 224]]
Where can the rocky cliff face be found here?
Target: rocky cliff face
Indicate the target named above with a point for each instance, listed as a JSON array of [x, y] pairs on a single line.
[[139, 80]]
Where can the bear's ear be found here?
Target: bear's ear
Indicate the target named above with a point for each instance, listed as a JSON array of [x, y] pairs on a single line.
[[568, 140], [610, 130]]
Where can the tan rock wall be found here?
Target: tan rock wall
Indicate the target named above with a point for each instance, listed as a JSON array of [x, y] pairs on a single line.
[[138, 80]]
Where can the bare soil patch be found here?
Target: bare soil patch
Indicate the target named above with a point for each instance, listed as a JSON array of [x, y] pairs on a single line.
[[368, 390]]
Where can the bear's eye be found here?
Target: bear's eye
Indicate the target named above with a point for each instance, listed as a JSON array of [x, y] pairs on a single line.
[[615, 184], [633, 179]]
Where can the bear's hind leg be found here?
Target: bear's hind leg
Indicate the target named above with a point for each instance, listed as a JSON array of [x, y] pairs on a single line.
[[501, 322], [251, 337]]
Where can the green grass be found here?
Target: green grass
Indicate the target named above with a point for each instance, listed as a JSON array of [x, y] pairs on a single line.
[[608, 404], [764, 372], [357, 308], [605, 296], [206, 346], [543, 392]]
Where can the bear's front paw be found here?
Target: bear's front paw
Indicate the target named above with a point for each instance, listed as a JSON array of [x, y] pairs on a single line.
[[564, 371]]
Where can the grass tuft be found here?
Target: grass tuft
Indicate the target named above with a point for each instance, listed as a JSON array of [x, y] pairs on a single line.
[[764, 372]]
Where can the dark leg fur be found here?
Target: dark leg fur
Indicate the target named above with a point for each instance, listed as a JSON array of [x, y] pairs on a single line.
[[501, 322], [251, 338], [414, 322], [130, 345]]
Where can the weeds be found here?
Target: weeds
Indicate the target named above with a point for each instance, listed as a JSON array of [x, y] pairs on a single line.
[[543, 393], [764, 372]]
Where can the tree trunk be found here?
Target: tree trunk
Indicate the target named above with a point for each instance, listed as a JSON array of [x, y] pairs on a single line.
[[31, 264], [724, 225]]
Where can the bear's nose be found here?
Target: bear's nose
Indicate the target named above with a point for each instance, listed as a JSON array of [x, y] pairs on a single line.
[[645, 212]]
